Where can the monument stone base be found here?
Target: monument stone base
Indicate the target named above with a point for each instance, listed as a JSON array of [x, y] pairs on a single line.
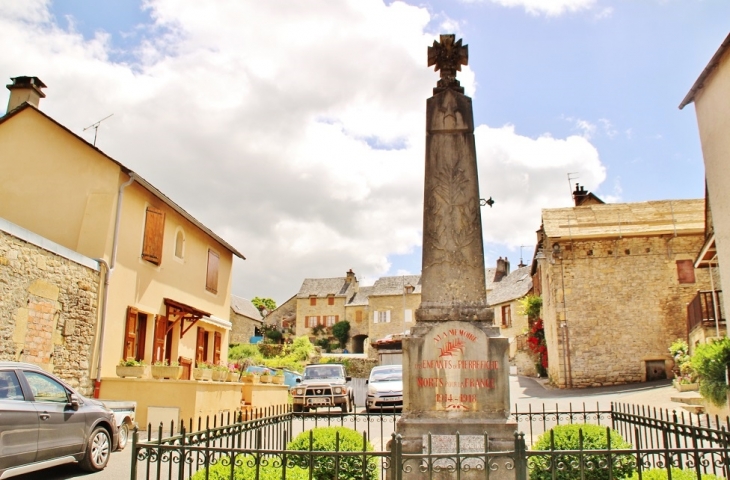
[[456, 379]]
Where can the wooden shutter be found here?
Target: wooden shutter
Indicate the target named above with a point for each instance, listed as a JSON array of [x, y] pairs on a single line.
[[211, 279], [154, 229], [160, 334], [387, 316], [375, 316], [130, 335], [217, 337], [312, 301], [358, 316], [685, 271], [330, 300], [200, 347]]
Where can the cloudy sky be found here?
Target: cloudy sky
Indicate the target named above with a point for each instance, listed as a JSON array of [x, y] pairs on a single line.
[[295, 129]]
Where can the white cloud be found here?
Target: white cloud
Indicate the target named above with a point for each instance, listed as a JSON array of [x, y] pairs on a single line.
[[550, 8], [297, 140], [525, 175]]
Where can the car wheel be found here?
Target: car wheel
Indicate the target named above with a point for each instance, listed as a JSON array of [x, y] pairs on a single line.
[[345, 406], [297, 408], [123, 436], [98, 450]]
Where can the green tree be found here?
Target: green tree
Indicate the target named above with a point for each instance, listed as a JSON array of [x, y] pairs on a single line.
[[341, 331], [263, 303], [710, 362], [530, 306]]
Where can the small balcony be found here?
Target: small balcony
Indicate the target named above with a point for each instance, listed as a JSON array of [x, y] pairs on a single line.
[[704, 309]]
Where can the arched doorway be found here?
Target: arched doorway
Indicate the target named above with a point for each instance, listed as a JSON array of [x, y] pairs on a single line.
[[358, 343]]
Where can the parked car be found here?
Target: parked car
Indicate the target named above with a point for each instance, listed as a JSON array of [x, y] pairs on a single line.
[[124, 413], [385, 388], [44, 422], [323, 385]]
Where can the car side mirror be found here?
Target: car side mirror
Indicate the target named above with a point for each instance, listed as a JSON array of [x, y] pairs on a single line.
[[367, 381], [74, 401], [298, 380], [348, 379]]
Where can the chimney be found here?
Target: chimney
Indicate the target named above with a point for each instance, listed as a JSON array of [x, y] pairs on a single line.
[[502, 269], [25, 89], [350, 277], [579, 195]]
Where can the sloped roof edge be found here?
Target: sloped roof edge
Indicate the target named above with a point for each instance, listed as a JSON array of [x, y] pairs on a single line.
[[711, 66]]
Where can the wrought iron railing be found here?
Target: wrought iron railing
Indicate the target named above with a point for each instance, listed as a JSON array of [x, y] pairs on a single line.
[[258, 441]]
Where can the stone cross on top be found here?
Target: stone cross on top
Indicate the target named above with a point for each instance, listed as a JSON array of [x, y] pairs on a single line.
[[448, 56]]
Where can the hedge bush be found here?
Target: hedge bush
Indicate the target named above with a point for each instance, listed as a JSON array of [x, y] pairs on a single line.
[[567, 437], [246, 470], [323, 439], [710, 361], [677, 474]]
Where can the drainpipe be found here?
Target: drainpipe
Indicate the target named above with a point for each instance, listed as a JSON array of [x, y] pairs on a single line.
[[108, 269]]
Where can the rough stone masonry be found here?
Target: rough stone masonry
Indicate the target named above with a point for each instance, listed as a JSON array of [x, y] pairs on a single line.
[[455, 375]]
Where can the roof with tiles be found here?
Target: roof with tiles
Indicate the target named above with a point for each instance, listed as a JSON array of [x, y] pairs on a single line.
[[626, 219], [243, 306], [323, 287], [395, 285], [513, 286], [361, 297]]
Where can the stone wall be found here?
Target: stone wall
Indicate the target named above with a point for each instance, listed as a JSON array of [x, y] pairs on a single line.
[[394, 304], [48, 310], [242, 328], [621, 303]]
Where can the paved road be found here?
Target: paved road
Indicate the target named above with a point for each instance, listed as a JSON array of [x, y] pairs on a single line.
[[525, 393]]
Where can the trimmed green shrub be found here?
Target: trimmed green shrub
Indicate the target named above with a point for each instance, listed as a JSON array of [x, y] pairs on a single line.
[[567, 437], [710, 361], [677, 474], [246, 470], [341, 331], [323, 439]]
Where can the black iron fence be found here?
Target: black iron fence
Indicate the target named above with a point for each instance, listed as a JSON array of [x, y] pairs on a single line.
[[257, 445]]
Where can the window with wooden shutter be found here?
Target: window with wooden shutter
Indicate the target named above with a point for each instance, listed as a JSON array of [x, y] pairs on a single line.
[[312, 301], [200, 347], [358, 316], [154, 229], [217, 337], [130, 336], [685, 271], [211, 279], [158, 353], [330, 300], [506, 316], [408, 315]]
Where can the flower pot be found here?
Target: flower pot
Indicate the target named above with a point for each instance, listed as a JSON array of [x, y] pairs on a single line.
[[135, 372], [165, 371], [265, 378], [232, 377], [686, 387], [248, 378], [202, 374], [220, 375], [278, 380]]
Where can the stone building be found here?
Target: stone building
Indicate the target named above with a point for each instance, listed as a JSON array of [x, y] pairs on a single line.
[[615, 281], [284, 317], [169, 276], [504, 299], [711, 97], [392, 302], [246, 320], [48, 313]]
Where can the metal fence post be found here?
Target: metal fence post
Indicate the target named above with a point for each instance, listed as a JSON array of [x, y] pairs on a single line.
[[520, 457]]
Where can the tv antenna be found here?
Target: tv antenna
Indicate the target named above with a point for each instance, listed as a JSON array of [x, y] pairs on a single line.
[[572, 176], [95, 126], [521, 247]]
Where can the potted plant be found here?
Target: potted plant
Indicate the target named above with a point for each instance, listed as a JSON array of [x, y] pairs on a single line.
[[234, 372], [265, 376], [220, 373], [203, 371], [278, 377], [131, 368], [165, 369], [249, 377]]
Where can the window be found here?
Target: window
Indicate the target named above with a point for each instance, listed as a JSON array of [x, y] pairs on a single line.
[[10, 387], [154, 229], [358, 316], [330, 299], [201, 347], [685, 271], [408, 315], [180, 244], [135, 332], [506, 316], [45, 389], [211, 279], [330, 320], [312, 301], [158, 349], [311, 322], [381, 317]]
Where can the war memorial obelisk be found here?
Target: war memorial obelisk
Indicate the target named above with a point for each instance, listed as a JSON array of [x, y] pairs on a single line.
[[455, 366]]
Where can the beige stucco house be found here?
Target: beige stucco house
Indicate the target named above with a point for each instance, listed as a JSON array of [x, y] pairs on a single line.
[[505, 298], [711, 97], [167, 275], [615, 281]]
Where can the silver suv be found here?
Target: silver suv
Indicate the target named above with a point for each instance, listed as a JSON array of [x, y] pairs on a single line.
[[45, 423], [323, 385]]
